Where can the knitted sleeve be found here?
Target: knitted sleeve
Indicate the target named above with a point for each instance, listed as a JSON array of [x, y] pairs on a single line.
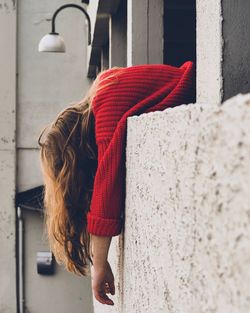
[[105, 216], [140, 89]]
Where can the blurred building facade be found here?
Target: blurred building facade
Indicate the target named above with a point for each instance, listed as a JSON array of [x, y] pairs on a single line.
[[180, 256], [35, 87]]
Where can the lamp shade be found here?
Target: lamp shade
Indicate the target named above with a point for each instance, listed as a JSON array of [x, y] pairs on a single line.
[[51, 43]]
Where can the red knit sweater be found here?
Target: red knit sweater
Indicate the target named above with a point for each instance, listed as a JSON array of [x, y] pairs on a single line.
[[135, 90]]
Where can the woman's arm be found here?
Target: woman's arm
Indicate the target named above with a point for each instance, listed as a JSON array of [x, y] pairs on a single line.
[[102, 276]]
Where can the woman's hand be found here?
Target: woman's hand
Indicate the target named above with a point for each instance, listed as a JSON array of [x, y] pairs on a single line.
[[103, 283], [102, 276]]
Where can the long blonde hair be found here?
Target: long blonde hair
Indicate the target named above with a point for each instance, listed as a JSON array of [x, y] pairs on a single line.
[[68, 158]]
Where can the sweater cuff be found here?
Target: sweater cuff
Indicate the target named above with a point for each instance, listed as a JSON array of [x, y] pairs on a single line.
[[103, 226]]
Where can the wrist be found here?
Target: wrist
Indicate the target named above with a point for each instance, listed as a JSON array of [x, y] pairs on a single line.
[[99, 250], [100, 264]]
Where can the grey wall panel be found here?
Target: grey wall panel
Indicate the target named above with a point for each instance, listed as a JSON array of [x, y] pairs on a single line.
[[236, 56]]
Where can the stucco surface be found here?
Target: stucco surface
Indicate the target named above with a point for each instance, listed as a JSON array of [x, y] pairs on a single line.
[[187, 231]]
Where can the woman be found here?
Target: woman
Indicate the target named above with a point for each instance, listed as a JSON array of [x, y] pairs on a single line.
[[83, 163]]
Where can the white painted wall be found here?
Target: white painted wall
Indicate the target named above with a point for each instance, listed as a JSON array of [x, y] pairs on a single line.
[[47, 82], [7, 155], [187, 228]]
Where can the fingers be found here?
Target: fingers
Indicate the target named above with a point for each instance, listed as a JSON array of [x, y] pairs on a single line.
[[103, 298], [112, 288], [103, 284], [106, 288]]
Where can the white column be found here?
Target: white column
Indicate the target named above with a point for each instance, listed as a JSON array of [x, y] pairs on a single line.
[[209, 51], [7, 155]]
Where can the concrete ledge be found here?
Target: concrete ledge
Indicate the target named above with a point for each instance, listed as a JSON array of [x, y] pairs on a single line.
[[187, 231]]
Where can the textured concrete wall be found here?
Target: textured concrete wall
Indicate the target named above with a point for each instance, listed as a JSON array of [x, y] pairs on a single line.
[[187, 231], [7, 155]]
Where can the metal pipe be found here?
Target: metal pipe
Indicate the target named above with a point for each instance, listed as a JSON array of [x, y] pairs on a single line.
[[20, 261]]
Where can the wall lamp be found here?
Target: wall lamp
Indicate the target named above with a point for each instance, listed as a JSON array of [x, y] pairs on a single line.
[[53, 42]]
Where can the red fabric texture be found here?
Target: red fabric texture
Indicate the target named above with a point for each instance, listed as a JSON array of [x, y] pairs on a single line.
[[132, 91]]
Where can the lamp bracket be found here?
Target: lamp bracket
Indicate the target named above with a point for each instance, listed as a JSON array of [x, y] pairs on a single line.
[[72, 5]]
